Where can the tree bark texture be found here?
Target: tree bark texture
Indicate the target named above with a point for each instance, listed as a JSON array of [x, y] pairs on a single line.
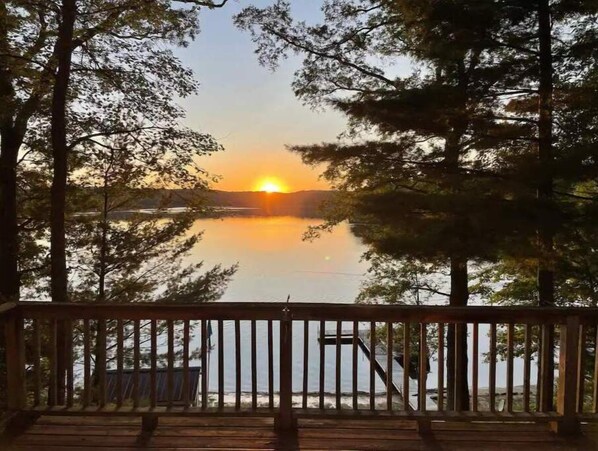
[[59, 274], [545, 278]]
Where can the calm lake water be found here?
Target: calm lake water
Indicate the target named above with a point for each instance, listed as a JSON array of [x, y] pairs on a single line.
[[275, 262]]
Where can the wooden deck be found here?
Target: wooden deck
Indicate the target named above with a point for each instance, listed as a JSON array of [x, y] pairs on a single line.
[[111, 433], [77, 411]]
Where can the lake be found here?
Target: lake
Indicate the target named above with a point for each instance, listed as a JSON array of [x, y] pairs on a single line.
[[275, 262]]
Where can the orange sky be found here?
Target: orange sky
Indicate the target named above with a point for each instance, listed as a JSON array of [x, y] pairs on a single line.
[[251, 110], [246, 169]]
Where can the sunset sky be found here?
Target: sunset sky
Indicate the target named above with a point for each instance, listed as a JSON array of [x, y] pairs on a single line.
[[250, 110]]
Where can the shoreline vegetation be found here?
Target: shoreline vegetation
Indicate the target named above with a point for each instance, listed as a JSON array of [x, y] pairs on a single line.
[[302, 204]]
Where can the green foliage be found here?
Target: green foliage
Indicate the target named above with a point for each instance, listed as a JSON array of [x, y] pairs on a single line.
[[124, 136], [442, 163], [139, 257], [124, 79], [394, 281]]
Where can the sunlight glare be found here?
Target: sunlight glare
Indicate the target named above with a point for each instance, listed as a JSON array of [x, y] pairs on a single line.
[[270, 186]]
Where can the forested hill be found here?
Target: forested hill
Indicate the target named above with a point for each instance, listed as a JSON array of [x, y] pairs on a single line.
[[301, 203]]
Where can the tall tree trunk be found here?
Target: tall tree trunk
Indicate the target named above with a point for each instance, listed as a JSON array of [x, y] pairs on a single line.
[[9, 243], [545, 194], [64, 48], [457, 380], [458, 387], [9, 275], [102, 271], [10, 144], [59, 276]]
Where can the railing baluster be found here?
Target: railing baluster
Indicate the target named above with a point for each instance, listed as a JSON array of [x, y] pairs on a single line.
[[475, 366], [510, 337], [119, 362], [423, 370], [581, 363], [285, 420], [406, 363], [354, 364], [546, 367], [87, 383], [372, 365], [460, 372], [53, 387], [153, 363], [220, 364], [322, 362], [170, 363], [538, 394], [101, 364], [253, 366], [338, 365], [270, 365], [305, 362], [568, 380], [186, 340], [596, 371], [527, 358], [15, 361], [492, 375], [37, 346], [581, 368], [204, 364], [440, 367], [70, 377], [136, 361], [389, 365], [237, 364]]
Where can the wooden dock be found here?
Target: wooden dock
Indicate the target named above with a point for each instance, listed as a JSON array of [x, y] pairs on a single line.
[[380, 364]]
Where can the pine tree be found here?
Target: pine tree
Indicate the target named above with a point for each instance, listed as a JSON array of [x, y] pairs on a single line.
[[412, 185], [29, 55], [120, 255], [455, 162], [62, 65]]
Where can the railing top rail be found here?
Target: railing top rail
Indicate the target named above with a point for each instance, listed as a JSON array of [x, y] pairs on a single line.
[[308, 311], [7, 307]]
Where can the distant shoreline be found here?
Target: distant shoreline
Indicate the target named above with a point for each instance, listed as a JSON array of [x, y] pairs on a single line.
[[307, 204], [210, 213]]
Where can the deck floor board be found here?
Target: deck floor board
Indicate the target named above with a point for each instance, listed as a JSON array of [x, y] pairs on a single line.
[[106, 433]]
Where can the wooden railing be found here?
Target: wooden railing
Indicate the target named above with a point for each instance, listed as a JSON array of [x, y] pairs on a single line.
[[110, 359]]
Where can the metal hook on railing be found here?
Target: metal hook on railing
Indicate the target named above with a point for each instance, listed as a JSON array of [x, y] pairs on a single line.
[[286, 312]]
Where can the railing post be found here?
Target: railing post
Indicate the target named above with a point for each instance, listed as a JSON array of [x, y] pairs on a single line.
[[460, 335], [567, 386], [285, 420], [546, 388], [15, 361]]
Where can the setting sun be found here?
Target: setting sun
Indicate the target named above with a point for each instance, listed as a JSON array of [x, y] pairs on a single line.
[[270, 186]]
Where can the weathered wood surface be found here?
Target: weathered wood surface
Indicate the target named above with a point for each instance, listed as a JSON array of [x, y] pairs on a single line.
[[307, 311], [24, 395], [137, 385], [7, 306], [85, 433]]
